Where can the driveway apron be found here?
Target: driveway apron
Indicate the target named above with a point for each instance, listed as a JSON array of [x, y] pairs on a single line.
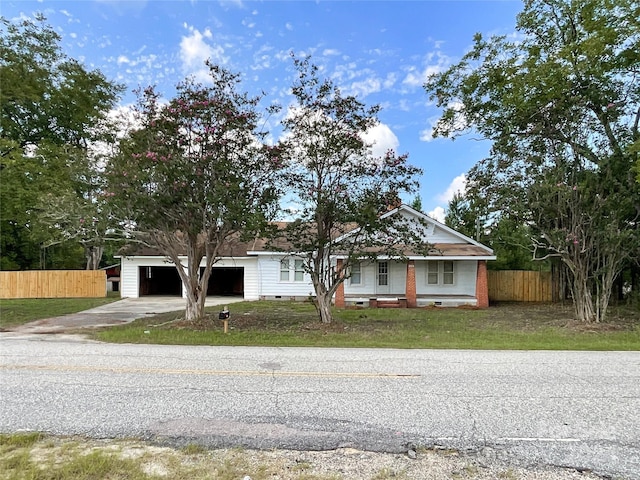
[[123, 311]]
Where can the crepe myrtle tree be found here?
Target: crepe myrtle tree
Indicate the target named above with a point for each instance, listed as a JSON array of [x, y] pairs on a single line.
[[339, 188], [561, 106], [194, 176]]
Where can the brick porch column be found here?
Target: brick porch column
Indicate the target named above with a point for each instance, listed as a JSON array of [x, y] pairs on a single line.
[[339, 301], [410, 287], [482, 285]]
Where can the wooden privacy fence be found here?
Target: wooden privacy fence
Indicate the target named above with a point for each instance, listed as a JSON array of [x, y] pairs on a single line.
[[53, 284], [520, 286]]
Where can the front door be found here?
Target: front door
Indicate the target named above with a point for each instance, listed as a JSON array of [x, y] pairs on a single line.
[[383, 279]]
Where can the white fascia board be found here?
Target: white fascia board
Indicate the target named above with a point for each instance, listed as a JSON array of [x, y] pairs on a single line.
[[436, 257], [274, 253], [181, 257]]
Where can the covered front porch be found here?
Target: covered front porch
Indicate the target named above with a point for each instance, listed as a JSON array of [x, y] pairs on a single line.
[[422, 301], [417, 284]]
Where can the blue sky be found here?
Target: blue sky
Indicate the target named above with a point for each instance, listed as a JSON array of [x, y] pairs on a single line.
[[380, 51]]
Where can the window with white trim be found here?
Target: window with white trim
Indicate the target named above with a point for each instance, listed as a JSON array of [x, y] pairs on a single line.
[[447, 272], [432, 272], [298, 273], [440, 272], [356, 274], [291, 270], [284, 270]]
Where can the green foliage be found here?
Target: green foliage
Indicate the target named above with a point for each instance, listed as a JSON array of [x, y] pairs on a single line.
[[509, 239], [195, 176], [53, 109], [462, 217], [337, 184], [561, 106]]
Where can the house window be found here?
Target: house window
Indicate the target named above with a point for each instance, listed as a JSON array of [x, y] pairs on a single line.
[[298, 275], [291, 270], [432, 273], [440, 273], [447, 272], [356, 274], [383, 273], [284, 270]]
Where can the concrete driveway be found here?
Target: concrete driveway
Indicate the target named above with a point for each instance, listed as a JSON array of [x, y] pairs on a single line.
[[119, 312]]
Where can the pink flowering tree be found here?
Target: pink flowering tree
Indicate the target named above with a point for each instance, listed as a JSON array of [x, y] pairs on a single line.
[[195, 175], [337, 188]]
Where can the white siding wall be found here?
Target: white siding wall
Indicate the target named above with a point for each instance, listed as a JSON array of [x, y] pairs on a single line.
[[251, 280], [129, 273], [397, 280], [270, 286], [464, 279], [262, 278], [367, 283]]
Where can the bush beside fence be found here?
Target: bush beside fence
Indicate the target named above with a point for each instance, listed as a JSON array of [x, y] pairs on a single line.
[[53, 284]]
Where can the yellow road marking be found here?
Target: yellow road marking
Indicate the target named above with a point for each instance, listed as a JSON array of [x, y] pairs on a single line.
[[175, 371]]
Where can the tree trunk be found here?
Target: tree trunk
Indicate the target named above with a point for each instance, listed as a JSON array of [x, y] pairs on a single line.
[[93, 254], [196, 294], [582, 298], [323, 306], [323, 301]]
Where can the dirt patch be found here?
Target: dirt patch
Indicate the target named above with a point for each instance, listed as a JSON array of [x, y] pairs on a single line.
[[295, 319]]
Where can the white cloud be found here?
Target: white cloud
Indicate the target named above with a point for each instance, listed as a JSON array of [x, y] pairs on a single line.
[[382, 139], [457, 185], [365, 87], [390, 80], [288, 26], [195, 51], [436, 62], [426, 135], [457, 123], [438, 214], [330, 52], [122, 59]]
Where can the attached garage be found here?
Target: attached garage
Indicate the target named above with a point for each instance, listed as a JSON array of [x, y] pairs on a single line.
[[226, 281], [165, 281], [160, 281]]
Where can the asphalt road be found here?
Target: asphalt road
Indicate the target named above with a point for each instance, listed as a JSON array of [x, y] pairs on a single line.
[[575, 409]]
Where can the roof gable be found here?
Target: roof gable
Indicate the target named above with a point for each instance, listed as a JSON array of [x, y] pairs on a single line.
[[439, 234]]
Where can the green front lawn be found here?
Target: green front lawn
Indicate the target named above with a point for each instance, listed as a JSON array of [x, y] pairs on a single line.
[[507, 326], [23, 310]]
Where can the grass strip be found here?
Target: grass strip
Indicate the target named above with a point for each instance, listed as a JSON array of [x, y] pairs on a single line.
[[504, 327], [24, 310]]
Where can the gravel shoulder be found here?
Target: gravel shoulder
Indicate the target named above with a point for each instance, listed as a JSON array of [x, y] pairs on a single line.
[[196, 463]]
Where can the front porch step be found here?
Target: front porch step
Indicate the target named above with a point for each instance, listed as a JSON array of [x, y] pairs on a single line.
[[383, 304], [388, 303]]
